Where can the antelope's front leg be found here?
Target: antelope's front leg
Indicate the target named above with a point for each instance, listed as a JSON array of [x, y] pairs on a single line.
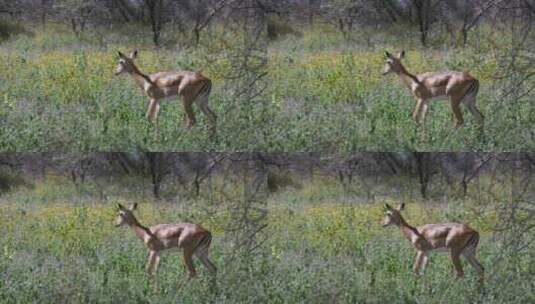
[[153, 109], [156, 263], [417, 109], [418, 262], [423, 265], [151, 261], [424, 107]]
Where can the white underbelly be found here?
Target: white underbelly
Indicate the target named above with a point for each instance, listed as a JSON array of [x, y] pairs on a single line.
[[170, 92], [166, 93], [171, 250], [438, 98], [441, 250], [171, 243]]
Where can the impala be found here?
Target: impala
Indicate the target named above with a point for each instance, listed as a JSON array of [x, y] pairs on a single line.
[[191, 238], [459, 87], [458, 239], [190, 86]]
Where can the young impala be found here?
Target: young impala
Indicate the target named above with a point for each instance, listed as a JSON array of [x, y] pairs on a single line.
[[458, 239], [190, 86], [191, 238], [459, 87]]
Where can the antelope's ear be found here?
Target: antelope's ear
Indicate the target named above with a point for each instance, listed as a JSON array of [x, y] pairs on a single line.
[[121, 207], [133, 54], [388, 55], [401, 206], [387, 207], [133, 207], [401, 54], [121, 55]]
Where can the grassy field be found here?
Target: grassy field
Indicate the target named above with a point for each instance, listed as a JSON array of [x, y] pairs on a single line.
[[322, 245], [324, 93]]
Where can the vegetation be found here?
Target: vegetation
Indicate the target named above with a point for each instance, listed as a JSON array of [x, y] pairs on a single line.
[[59, 93], [331, 93], [320, 242], [317, 89]]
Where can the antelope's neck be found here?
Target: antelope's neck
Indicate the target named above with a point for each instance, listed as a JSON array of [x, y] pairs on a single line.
[[142, 232], [408, 231], [141, 79], [407, 78]]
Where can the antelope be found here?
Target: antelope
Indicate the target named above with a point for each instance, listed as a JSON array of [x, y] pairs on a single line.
[[458, 239], [191, 86], [459, 87], [191, 238]]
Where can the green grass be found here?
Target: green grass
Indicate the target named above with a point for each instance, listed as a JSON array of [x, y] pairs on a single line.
[[333, 90], [323, 93], [60, 245]]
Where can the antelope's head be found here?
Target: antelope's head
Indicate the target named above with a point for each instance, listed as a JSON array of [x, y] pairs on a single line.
[[392, 215], [125, 215], [126, 63], [393, 63]]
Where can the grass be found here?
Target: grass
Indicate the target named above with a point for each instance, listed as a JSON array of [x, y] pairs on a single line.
[[323, 93], [60, 246], [335, 88]]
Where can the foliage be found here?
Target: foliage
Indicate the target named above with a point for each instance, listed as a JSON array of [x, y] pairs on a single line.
[[9, 28], [61, 246], [322, 92]]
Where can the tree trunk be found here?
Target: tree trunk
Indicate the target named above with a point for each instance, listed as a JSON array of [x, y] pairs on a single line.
[[423, 171], [155, 167], [197, 34], [422, 14], [155, 15], [125, 10]]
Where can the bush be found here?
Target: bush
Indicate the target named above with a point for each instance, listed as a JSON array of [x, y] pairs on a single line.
[[9, 29], [322, 247]]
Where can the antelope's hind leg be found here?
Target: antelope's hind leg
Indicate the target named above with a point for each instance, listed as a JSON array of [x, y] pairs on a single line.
[[457, 113], [471, 258], [184, 91], [190, 116], [480, 119], [205, 108], [455, 259], [188, 261], [203, 257]]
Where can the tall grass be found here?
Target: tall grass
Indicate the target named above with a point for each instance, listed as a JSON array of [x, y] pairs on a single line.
[[58, 93], [334, 87], [328, 249], [324, 93]]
